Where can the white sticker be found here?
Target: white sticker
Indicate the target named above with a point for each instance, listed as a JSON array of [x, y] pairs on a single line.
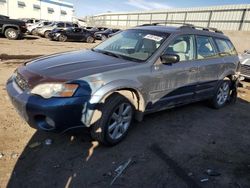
[[153, 37]]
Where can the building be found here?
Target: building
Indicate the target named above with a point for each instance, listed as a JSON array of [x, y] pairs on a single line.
[[39, 9], [228, 17]]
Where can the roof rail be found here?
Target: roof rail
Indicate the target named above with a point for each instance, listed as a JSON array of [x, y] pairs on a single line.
[[185, 25]]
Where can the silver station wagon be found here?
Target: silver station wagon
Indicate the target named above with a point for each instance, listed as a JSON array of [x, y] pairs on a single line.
[[138, 71]]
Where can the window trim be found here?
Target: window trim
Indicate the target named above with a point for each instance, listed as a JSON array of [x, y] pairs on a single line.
[[194, 45]]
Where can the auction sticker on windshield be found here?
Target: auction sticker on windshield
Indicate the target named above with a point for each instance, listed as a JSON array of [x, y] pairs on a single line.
[[153, 37]]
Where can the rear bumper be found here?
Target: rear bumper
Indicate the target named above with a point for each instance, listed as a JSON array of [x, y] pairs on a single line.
[[54, 114]]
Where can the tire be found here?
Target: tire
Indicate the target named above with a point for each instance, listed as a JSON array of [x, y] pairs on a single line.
[[46, 34], [90, 39], [112, 128], [104, 38], [33, 32], [11, 34], [222, 94], [62, 38]]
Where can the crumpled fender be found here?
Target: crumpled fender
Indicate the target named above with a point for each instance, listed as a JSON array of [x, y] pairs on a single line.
[[91, 115]]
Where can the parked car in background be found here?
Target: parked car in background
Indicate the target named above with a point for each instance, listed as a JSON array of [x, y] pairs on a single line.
[[103, 35], [32, 29], [96, 29], [30, 21], [45, 30], [245, 64], [11, 28], [138, 71], [72, 34]]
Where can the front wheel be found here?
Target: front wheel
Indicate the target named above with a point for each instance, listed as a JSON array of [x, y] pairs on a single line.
[[46, 34], [11, 34], [222, 94], [104, 38], [62, 38], [113, 126]]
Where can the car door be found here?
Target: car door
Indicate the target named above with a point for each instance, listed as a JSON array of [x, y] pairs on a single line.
[[76, 34], [210, 66], [175, 83]]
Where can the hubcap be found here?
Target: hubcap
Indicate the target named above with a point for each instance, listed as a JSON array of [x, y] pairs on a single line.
[[223, 93], [120, 121], [12, 34]]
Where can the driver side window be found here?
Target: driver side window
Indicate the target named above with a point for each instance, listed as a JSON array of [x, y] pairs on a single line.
[[183, 46]]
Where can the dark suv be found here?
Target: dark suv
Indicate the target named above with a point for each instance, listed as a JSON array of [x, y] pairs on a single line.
[[12, 29], [135, 72]]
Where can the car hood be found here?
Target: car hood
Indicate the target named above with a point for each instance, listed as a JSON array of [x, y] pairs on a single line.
[[71, 66]]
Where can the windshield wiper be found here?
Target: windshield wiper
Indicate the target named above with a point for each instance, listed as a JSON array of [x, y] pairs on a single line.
[[107, 53]]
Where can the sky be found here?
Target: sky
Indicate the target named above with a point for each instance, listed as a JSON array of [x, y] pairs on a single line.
[[93, 7]]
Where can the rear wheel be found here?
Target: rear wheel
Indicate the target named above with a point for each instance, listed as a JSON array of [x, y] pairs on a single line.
[[90, 39], [11, 34], [46, 34], [222, 94], [113, 126], [62, 38]]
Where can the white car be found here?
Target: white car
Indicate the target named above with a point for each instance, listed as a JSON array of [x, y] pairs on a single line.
[[245, 64], [32, 28]]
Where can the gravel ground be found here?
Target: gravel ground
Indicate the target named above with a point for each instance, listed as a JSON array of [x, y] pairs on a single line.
[[172, 148]]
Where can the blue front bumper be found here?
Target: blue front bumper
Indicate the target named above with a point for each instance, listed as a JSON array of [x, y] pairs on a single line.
[[54, 114]]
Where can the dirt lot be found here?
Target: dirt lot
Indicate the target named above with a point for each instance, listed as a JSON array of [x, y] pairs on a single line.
[[172, 148]]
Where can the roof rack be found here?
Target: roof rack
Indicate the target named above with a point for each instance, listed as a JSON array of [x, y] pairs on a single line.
[[185, 25]]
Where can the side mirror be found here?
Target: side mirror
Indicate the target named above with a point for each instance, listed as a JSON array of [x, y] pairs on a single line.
[[169, 58]]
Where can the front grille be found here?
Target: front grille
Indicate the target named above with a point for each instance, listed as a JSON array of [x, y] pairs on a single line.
[[21, 82], [245, 70]]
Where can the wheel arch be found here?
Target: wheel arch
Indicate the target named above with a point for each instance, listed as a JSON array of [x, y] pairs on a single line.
[[10, 26], [131, 93]]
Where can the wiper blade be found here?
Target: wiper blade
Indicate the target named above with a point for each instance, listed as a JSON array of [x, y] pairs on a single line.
[[107, 53]]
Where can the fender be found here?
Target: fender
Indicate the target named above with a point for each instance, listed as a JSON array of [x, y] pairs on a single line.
[[92, 115], [10, 25]]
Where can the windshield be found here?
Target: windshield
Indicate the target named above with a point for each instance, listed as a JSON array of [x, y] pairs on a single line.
[[137, 45]]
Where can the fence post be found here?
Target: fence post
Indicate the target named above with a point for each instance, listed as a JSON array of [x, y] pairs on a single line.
[[209, 19], [242, 19]]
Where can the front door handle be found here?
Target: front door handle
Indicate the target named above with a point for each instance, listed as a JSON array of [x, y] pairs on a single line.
[[193, 69]]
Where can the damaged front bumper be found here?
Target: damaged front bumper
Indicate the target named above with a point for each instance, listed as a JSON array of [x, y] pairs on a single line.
[[54, 114]]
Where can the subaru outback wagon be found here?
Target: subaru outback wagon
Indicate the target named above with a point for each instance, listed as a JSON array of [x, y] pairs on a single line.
[[140, 70]]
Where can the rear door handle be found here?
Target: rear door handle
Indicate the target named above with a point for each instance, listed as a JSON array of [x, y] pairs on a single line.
[[193, 69]]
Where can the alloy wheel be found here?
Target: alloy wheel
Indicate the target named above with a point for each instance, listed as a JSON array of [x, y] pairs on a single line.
[[120, 120]]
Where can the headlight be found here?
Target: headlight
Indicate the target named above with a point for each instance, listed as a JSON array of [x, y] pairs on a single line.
[[55, 90]]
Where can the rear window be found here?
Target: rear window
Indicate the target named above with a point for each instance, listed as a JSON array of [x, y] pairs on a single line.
[[225, 47]]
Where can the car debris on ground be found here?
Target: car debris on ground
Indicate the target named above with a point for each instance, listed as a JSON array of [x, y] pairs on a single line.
[[1, 155], [204, 180], [211, 172], [48, 141], [120, 170], [14, 155], [34, 145]]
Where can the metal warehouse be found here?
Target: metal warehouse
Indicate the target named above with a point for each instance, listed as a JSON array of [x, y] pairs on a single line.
[[38, 9], [229, 17]]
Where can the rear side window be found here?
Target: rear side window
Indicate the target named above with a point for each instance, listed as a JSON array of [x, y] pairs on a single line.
[[60, 24], [225, 47], [205, 48]]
